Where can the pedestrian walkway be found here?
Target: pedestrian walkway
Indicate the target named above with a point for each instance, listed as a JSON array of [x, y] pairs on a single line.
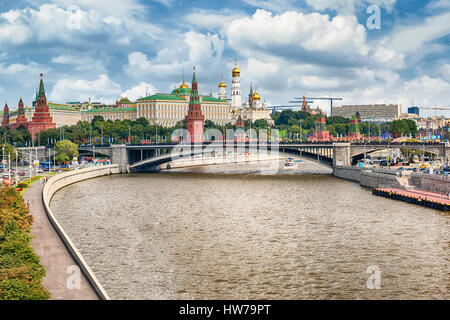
[[53, 254]]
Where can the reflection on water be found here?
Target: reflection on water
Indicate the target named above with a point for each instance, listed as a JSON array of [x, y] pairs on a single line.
[[184, 235]]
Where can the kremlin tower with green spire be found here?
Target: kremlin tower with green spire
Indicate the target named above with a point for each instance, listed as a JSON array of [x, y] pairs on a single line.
[[5, 121], [195, 119], [354, 133], [41, 118]]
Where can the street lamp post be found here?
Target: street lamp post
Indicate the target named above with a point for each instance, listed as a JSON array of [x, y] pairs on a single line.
[[9, 168], [29, 167], [101, 128]]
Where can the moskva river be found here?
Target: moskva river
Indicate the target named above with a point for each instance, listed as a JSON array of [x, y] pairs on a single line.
[[204, 234]]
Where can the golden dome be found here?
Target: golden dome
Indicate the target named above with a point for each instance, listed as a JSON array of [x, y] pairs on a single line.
[[222, 84], [236, 72], [256, 96], [184, 85]]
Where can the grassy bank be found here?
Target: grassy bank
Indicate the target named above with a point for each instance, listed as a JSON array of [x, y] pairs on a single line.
[[21, 273], [25, 184]]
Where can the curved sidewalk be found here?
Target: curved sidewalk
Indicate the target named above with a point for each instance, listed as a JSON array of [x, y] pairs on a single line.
[[53, 254]]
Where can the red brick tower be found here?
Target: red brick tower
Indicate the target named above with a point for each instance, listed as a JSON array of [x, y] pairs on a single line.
[[240, 130], [240, 123], [41, 118], [195, 119], [354, 133], [21, 115], [304, 105], [5, 121], [321, 133]]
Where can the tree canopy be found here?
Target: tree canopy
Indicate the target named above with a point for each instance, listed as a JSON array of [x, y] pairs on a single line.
[[65, 151]]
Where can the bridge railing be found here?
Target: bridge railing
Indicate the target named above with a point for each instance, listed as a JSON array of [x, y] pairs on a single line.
[[387, 143]]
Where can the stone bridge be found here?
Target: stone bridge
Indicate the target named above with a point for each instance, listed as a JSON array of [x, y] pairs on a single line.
[[148, 157]]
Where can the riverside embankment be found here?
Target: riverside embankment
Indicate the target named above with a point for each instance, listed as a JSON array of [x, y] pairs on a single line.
[[416, 188], [370, 178], [51, 243]]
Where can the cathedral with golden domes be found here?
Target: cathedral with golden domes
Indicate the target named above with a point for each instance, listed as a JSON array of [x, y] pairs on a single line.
[[252, 109]]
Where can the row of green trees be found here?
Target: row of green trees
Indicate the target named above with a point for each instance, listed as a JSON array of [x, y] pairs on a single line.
[[66, 150], [305, 123], [21, 273], [21, 136]]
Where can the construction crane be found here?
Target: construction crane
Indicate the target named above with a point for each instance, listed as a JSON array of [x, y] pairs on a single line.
[[291, 107], [435, 109], [331, 101]]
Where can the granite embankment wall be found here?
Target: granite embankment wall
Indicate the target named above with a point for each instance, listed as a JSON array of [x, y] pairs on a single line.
[[428, 182], [371, 178], [60, 181]]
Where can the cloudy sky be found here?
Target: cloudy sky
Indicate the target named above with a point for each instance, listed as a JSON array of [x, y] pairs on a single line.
[[105, 49]]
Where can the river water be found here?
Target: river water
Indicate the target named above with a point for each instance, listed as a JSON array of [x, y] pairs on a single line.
[[203, 233]]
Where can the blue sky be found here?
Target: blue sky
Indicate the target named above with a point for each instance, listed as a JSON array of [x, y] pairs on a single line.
[[106, 49]]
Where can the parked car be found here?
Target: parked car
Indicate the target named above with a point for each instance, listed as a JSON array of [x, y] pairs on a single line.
[[8, 180]]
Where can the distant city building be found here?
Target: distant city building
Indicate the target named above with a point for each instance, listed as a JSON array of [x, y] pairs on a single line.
[[414, 110], [433, 123], [411, 116], [387, 112]]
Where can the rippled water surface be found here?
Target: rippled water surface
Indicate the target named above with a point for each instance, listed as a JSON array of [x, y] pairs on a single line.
[[191, 235]]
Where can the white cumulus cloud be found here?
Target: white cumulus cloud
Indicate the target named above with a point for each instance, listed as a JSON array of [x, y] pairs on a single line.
[[204, 51], [295, 35], [141, 90], [80, 62], [101, 89], [348, 6], [70, 22]]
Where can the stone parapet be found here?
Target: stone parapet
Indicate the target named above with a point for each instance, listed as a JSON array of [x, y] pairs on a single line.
[[429, 182], [58, 182]]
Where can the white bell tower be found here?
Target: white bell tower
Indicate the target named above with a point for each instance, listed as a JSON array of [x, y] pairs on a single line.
[[236, 93]]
